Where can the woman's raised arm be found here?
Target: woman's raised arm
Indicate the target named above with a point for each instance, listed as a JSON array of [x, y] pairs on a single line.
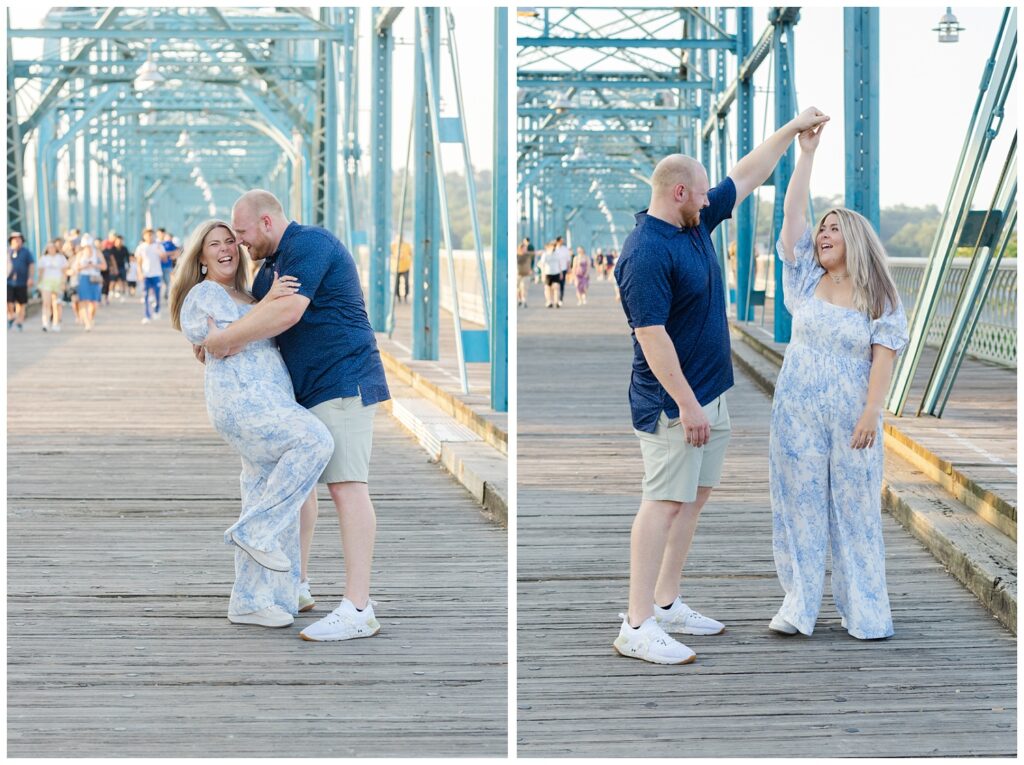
[[794, 220]]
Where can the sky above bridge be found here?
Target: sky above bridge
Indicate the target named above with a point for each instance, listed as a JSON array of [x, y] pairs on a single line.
[[927, 91]]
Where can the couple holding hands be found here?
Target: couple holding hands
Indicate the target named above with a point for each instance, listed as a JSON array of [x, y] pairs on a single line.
[[825, 450]]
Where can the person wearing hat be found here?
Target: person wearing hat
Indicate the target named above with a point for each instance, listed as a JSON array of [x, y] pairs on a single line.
[[20, 278]]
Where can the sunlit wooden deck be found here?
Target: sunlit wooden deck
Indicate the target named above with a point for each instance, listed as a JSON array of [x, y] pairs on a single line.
[[944, 685], [117, 579]]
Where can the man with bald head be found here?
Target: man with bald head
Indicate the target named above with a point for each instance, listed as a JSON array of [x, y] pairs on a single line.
[[674, 300], [327, 343]]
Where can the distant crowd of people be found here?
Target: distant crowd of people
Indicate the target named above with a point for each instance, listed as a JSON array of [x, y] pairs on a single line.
[[81, 271], [556, 265]]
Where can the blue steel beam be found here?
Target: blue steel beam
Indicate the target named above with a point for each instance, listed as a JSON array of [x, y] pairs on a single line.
[[499, 218], [608, 111], [604, 80], [861, 76], [744, 144], [758, 52], [785, 110], [327, 184], [426, 222], [624, 42], [382, 44], [350, 153], [178, 33]]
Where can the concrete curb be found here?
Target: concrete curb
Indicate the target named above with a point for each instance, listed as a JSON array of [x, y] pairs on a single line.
[[468, 470], [447, 402], [480, 468]]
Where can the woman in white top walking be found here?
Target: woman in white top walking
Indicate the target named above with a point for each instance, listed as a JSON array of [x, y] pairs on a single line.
[[53, 273], [551, 267]]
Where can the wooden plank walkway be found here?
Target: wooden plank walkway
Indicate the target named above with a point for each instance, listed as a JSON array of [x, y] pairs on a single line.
[[944, 685], [117, 582]]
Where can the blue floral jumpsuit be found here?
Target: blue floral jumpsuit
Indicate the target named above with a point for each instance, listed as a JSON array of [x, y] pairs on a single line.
[[823, 492], [284, 449]]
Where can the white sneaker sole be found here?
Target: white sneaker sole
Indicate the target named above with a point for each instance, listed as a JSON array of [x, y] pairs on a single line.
[[330, 639], [307, 607], [691, 630], [269, 562], [256, 621], [620, 652], [789, 630]]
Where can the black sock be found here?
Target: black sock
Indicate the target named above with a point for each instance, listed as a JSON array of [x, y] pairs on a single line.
[[666, 608]]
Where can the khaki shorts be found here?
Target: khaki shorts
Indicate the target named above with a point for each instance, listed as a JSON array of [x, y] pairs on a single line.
[[673, 469], [351, 426]]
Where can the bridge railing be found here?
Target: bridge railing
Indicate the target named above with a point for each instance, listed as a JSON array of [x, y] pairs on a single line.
[[467, 275], [994, 338]]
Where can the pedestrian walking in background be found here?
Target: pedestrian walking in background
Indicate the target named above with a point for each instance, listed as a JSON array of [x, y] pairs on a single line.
[[89, 264], [149, 257], [53, 268], [581, 273], [551, 267], [20, 278]]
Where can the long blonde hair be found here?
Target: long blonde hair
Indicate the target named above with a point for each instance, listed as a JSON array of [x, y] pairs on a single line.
[[187, 273], [874, 292]]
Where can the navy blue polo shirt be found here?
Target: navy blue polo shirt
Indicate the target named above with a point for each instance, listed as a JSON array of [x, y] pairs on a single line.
[[331, 352], [670, 277], [20, 260]]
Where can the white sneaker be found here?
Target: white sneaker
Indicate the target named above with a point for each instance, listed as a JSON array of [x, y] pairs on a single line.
[[306, 601], [56, 327], [275, 560], [271, 616], [651, 643], [343, 623], [781, 626], [145, 321], [679, 617]]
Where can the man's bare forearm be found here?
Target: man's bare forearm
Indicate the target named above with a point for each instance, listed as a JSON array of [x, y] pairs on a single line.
[[266, 319], [664, 363]]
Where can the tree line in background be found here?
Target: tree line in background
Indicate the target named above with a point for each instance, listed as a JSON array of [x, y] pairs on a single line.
[[458, 207], [906, 232]]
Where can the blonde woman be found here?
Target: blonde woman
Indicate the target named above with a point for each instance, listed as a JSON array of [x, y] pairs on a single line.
[[825, 453], [251, 403], [53, 273]]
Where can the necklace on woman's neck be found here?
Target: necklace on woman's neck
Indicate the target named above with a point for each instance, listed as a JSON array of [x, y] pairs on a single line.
[[837, 278], [228, 287]]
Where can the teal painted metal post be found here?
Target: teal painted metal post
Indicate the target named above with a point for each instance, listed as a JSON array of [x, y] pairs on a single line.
[[329, 182], [723, 230], [103, 210], [744, 144], [499, 218], [87, 208], [861, 75], [350, 112], [785, 109], [426, 222], [380, 175]]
